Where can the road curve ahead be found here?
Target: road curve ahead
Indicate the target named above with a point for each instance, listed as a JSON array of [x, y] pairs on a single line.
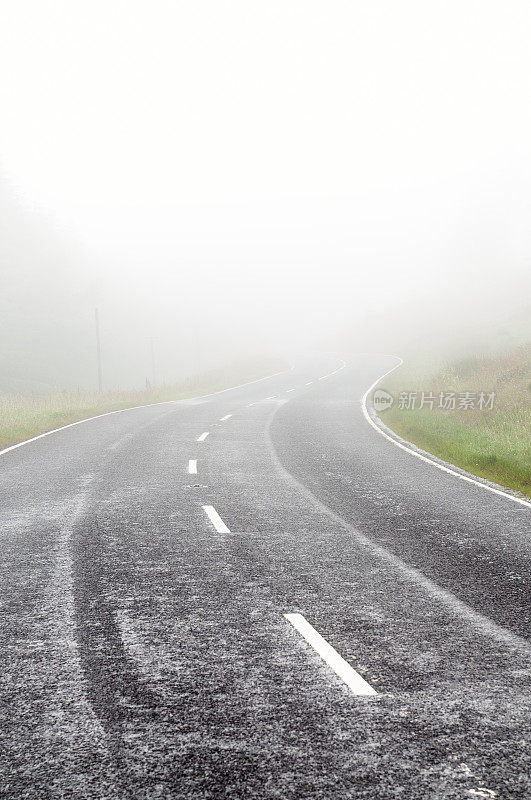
[[256, 595]]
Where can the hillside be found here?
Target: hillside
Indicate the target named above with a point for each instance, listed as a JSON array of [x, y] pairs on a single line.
[[475, 414]]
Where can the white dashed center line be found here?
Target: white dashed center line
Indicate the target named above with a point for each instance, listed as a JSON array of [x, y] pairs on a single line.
[[202, 437], [215, 519], [309, 383], [227, 416], [272, 397], [341, 667], [290, 390], [192, 466]]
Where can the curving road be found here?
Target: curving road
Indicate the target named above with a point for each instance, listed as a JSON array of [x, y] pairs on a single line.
[[256, 595]]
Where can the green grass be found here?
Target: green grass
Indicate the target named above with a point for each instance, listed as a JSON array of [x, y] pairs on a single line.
[[24, 417], [494, 444]]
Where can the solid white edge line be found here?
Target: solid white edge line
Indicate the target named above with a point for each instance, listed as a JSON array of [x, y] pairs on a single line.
[[202, 437], [227, 416], [135, 408], [215, 519], [343, 365], [145, 405], [238, 386], [420, 455], [341, 667], [73, 424], [329, 374], [192, 466]]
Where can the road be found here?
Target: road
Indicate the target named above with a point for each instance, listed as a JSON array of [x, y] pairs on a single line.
[[147, 569]]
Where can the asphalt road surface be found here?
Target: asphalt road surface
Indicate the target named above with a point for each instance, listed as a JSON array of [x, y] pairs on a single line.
[[147, 570]]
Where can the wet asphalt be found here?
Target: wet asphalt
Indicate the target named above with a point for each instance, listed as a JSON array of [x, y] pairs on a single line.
[[146, 655]]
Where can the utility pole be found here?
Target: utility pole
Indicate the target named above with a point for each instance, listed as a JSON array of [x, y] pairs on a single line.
[[98, 348], [153, 362]]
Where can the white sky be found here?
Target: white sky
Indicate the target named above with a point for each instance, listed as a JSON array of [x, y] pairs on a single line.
[[291, 163]]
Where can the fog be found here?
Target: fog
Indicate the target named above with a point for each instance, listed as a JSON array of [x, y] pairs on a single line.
[[229, 178]]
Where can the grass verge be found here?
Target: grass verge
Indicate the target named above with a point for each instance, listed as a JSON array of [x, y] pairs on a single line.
[[24, 417], [494, 443]]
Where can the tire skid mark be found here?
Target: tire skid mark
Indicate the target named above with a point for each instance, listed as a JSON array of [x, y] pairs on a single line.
[[115, 689]]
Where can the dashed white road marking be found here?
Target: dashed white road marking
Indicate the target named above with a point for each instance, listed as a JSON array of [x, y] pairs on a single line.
[[421, 455], [309, 383], [322, 377], [134, 408], [215, 519], [271, 397], [192, 466], [202, 437], [341, 667], [227, 416], [289, 390]]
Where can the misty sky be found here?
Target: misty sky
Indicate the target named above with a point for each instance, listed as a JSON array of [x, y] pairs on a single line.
[[242, 175]]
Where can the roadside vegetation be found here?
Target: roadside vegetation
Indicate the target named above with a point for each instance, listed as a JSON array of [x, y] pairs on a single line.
[[22, 417], [494, 443]]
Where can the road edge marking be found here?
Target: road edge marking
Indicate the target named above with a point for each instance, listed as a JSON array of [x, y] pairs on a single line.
[[136, 408], [424, 456], [342, 668], [482, 624]]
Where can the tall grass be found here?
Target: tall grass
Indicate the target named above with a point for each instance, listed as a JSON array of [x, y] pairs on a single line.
[[495, 444], [23, 417]]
